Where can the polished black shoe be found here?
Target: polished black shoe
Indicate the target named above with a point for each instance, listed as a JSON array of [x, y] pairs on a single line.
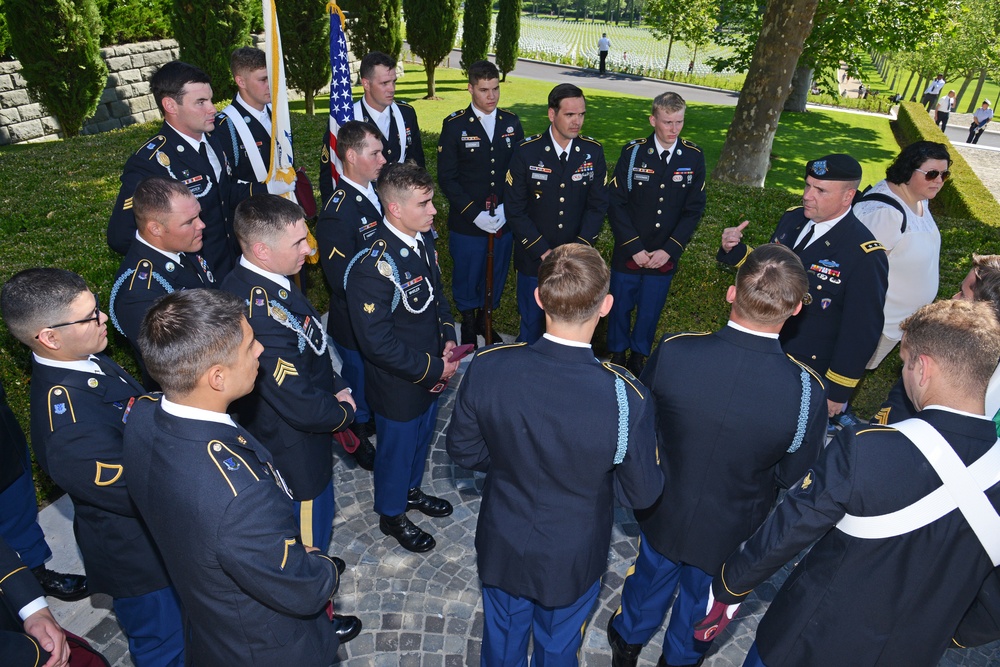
[[65, 587], [636, 362], [365, 453], [429, 505], [469, 327], [662, 662], [622, 654], [339, 564], [408, 534], [481, 327], [618, 358], [346, 627]]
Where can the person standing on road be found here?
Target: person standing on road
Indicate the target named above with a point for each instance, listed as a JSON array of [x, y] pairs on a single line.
[[603, 46], [933, 90], [944, 109], [980, 119]]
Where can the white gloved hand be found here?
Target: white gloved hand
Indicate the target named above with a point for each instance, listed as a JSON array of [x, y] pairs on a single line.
[[484, 221], [497, 224], [500, 214], [280, 187]]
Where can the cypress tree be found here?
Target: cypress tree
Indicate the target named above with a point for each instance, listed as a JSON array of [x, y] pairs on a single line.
[[374, 25], [476, 28], [431, 26], [508, 34], [58, 44], [207, 32], [305, 37]]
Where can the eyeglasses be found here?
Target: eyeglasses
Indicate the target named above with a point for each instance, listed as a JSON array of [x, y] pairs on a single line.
[[95, 317], [934, 173]]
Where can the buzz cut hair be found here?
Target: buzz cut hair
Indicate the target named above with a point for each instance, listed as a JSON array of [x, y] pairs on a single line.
[[769, 285], [572, 283], [35, 298], [668, 102], [962, 337], [372, 60], [398, 180], [247, 59], [351, 137], [482, 70], [187, 332], [263, 219], [154, 198]]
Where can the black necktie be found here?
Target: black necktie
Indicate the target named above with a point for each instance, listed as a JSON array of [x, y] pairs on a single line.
[[800, 246], [665, 157], [187, 261], [203, 151], [393, 138], [562, 158], [423, 252]]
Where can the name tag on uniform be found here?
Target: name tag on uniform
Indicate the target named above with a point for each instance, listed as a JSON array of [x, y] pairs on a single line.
[[472, 144], [641, 177], [540, 177], [413, 286]]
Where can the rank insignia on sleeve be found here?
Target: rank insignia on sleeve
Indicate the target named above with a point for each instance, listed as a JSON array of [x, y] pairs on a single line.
[[107, 473], [872, 246], [369, 308], [807, 481], [283, 370]]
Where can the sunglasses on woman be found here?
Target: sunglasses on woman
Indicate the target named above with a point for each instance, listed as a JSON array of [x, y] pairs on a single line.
[[934, 173]]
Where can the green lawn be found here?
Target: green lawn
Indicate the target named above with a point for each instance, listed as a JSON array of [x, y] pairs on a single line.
[[57, 198]]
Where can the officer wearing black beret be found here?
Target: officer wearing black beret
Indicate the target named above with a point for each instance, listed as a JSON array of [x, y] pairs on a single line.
[[556, 193], [839, 327]]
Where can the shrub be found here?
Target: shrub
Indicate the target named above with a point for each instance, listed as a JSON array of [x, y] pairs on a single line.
[[58, 45], [127, 21], [375, 25], [964, 195], [476, 29], [207, 32]]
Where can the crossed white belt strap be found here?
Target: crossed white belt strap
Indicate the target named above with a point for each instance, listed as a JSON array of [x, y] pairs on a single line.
[[256, 161], [963, 489]]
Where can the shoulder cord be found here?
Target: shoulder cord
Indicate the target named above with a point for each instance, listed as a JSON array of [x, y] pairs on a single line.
[[800, 429], [622, 420], [117, 286], [289, 322]]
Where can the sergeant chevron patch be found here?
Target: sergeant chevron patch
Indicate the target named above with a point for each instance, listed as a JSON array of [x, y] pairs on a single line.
[[283, 370]]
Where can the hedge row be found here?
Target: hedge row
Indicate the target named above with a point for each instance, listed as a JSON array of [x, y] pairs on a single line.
[[964, 195]]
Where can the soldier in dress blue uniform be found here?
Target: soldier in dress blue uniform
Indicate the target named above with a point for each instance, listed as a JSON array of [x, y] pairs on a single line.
[[29, 634], [79, 401], [299, 401], [165, 256], [19, 511], [724, 455], [657, 199], [893, 572], [556, 193], [245, 125], [349, 222], [548, 502], [473, 155], [396, 121], [402, 321], [839, 327], [185, 150], [217, 507]]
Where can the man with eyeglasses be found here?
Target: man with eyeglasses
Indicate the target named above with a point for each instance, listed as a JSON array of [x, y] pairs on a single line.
[[80, 400], [838, 328]]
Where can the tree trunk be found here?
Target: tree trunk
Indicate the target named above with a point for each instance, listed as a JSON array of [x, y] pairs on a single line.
[[746, 153], [895, 76], [907, 88], [800, 89], [429, 68], [670, 47], [310, 102], [975, 101], [918, 92]]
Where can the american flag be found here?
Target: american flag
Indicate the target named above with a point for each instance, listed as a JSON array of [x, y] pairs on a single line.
[[341, 103]]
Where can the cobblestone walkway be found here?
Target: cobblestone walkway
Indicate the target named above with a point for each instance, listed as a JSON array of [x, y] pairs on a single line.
[[424, 610]]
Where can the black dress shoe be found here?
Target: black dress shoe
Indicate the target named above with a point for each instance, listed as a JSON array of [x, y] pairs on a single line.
[[469, 327], [429, 505], [365, 453], [339, 564], [407, 533], [662, 662], [622, 654], [65, 587], [636, 362], [618, 358], [346, 627]]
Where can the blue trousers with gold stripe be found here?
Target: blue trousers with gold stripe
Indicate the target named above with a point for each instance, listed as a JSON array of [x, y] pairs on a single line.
[[315, 519], [154, 627], [646, 596], [510, 620], [468, 275], [400, 458], [646, 295]]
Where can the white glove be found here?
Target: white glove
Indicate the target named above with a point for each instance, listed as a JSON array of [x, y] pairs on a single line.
[[500, 214], [280, 187], [485, 222]]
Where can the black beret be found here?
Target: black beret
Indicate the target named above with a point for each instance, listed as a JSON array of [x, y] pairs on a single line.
[[836, 167]]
